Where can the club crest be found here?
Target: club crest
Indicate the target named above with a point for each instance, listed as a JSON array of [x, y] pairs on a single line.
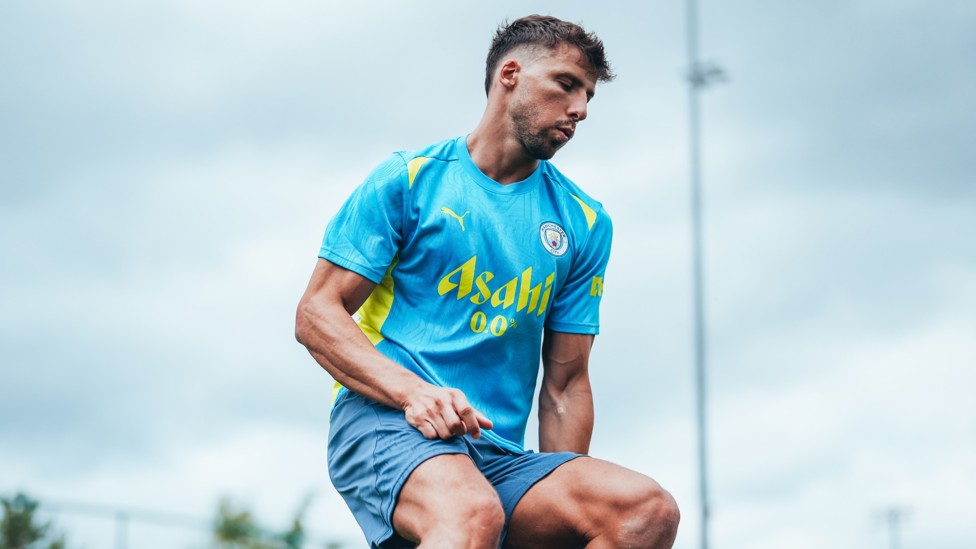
[[554, 239]]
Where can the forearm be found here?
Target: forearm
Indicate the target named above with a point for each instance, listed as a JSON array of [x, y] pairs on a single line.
[[340, 347], [566, 417]]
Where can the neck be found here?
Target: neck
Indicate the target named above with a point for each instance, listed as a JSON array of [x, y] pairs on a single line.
[[497, 152]]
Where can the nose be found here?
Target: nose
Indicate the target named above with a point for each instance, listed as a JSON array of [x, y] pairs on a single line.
[[577, 109]]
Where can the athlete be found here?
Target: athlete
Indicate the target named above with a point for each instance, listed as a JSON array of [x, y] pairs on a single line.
[[439, 283]]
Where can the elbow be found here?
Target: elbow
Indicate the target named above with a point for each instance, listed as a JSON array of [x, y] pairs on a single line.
[[317, 317], [567, 396], [303, 321], [553, 402]]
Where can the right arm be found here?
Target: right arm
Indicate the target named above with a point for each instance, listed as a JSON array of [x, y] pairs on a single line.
[[324, 326]]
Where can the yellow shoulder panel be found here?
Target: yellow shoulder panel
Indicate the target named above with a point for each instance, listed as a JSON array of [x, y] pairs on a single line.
[[413, 167], [587, 211]]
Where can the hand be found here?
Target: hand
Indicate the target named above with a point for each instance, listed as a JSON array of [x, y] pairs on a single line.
[[439, 412]]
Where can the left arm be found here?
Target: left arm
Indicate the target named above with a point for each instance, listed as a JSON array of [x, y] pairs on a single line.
[[565, 398]]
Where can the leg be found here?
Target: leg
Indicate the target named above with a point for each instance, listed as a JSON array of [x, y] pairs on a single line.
[[400, 485], [596, 504], [447, 503]]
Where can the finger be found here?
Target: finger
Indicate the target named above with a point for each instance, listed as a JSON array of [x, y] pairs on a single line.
[[452, 414], [470, 421], [483, 421], [441, 426], [428, 430], [423, 425], [457, 423], [473, 420]]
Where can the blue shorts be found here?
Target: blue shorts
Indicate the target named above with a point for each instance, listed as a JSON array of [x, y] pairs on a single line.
[[373, 450]]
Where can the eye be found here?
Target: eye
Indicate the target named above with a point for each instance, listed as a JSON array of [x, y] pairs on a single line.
[[566, 86]]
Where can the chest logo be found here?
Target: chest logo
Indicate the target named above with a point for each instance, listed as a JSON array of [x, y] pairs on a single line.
[[554, 239], [460, 218]]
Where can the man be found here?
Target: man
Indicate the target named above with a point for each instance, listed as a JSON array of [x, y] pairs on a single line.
[[461, 262]]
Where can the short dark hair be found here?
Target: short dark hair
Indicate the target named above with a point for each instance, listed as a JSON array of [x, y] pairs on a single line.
[[548, 32]]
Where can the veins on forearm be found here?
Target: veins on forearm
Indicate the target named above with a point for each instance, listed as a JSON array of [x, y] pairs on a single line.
[[566, 419]]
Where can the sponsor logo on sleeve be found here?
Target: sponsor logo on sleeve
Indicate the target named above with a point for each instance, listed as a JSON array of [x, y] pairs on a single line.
[[596, 287]]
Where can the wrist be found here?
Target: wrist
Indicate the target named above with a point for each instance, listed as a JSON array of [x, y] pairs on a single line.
[[409, 385]]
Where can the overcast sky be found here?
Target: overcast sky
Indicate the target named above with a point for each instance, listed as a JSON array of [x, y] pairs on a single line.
[[167, 170]]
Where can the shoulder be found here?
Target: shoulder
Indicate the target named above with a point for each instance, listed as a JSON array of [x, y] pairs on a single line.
[[404, 166], [579, 205], [409, 164], [445, 150], [414, 161]]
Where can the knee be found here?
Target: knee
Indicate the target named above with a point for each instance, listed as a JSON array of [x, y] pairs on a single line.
[[477, 519], [651, 520], [485, 515], [663, 510]]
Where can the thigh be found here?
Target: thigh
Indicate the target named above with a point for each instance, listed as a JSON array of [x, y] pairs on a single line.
[[445, 491], [575, 503], [372, 453]]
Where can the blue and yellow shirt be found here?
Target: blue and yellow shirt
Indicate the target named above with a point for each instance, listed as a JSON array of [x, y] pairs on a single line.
[[470, 271]]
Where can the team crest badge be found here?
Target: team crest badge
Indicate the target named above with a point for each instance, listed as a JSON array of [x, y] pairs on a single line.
[[554, 239]]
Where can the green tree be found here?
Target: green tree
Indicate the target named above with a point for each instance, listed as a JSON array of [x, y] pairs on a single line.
[[20, 528], [294, 538], [235, 528]]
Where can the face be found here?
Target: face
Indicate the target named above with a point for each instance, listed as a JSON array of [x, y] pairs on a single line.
[[550, 100]]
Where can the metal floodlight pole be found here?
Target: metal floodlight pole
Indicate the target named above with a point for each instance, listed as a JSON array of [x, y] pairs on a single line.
[[699, 76], [894, 517], [121, 530]]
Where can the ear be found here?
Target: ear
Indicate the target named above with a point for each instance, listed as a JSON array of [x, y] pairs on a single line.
[[508, 74]]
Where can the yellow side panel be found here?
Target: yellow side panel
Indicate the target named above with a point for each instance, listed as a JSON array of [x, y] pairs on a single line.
[[373, 314], [335, 391]]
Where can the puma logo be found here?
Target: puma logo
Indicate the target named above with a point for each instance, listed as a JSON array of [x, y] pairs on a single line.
[[460, 218]]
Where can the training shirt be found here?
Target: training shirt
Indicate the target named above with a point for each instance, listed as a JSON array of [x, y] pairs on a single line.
[[470, 271]]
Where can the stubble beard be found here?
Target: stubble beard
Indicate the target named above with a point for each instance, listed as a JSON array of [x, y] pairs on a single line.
[[536, 143]]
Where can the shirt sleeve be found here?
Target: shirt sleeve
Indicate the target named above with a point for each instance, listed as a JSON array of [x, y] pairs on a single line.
[[365, 234], [576, 308]]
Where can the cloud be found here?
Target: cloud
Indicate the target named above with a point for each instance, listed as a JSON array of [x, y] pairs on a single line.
[[168, 171]]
